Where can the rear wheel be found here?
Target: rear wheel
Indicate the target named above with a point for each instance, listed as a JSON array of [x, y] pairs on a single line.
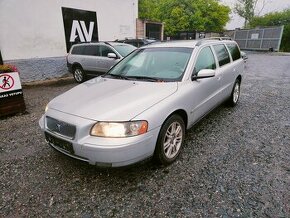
[[170, 140], [79, 75], [235, 96]]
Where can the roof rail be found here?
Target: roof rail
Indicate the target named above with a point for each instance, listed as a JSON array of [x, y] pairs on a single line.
[[212, 38]]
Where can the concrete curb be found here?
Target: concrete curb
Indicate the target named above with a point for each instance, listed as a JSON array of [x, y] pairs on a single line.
[[48, 82]]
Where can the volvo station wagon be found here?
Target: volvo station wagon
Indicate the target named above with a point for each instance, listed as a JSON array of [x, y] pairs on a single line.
[[143, 106]]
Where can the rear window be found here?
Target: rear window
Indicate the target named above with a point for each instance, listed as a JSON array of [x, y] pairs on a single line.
[[222, 54], [78, 50], [235, 51]]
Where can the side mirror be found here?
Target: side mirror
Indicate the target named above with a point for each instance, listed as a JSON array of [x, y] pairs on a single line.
[[244, 56], [112, 55], [202, 74]]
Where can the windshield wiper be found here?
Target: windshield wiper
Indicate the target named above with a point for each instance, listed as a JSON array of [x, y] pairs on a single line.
[[146, 78], [117, 76]]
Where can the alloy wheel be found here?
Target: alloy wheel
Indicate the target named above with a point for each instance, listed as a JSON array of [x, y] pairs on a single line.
[[236, 93], [78, 75], [173, 140]]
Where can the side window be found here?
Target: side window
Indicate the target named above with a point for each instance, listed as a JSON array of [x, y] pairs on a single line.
[[105, 50], [234, 50], [205, 60], [77, 50], [92, 50], [222, 54]]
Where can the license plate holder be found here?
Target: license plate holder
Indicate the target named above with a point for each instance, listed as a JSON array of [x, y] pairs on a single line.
[[60, 143]]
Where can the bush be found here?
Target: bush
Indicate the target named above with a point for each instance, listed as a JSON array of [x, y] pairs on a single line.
[[7, 68]]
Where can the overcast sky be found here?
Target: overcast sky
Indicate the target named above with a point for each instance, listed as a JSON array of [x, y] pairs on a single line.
[[271, 6]]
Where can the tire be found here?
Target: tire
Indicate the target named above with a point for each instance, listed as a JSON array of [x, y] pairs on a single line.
[[79, 75], [170, 140], [235, 95]]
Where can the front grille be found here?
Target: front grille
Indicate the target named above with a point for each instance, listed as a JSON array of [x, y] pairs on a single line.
[[60, 127], [64, 145]]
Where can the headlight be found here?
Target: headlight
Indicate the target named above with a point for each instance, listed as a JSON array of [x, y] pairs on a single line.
[[46, 108], [119, 130]]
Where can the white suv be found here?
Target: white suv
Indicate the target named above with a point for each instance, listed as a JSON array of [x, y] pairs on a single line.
[[95, 58]]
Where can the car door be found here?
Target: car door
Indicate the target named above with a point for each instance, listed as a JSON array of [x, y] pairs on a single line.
[[204, 91], [237, 66], [224, 71], [104, 62], [90, 58]]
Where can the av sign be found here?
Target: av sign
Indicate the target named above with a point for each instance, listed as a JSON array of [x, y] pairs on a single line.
[[79, 26]]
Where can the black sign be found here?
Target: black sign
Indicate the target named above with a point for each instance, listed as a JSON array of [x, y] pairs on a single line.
[[1, 59], [79, 26]]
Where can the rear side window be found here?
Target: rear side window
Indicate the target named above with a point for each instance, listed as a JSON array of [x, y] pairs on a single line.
[[92, 50], [222, 54], [77, 50], [205, 60], [234, 50]]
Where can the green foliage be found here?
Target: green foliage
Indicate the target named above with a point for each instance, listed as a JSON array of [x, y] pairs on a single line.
[[6, 68], [246, 9], [276, 19], [182, 15]]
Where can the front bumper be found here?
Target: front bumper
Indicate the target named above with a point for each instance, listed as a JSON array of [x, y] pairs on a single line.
[[108, 152]]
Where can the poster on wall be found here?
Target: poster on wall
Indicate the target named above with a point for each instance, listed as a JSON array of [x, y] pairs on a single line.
[[79, 26]]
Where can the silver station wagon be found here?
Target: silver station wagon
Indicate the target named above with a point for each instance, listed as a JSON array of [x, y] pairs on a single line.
[[143, 106]]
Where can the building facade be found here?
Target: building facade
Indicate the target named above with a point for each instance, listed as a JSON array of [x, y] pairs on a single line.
[[35, 35]]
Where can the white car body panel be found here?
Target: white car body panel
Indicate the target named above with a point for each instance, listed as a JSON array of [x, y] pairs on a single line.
[[106, 99]]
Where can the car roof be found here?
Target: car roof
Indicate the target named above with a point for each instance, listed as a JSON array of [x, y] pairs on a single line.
[[187, 43], [168, 44], [100, 43]]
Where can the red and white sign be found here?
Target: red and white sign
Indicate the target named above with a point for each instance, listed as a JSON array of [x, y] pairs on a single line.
[[9, 82]]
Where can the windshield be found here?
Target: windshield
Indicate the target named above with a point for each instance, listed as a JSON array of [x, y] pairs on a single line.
[[124, 49], [165, 64]]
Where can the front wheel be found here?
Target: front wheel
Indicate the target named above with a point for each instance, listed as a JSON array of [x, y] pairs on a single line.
[[235, 95], [79, 75], [170, 140]]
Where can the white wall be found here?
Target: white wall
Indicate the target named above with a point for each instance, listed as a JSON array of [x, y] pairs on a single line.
[[34, 28]]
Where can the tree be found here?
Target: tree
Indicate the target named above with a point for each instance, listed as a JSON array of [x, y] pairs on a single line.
[[184, 15], [246, 9], [276, 19]]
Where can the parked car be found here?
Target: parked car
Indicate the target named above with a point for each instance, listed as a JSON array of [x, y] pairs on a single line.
[[137, 42], [95, 58], [142, 107]]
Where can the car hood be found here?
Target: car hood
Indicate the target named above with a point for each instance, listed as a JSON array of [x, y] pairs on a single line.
[[103, 99]]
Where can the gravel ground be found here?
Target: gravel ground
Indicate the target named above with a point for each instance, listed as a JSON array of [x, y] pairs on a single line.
[[235, 163]]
